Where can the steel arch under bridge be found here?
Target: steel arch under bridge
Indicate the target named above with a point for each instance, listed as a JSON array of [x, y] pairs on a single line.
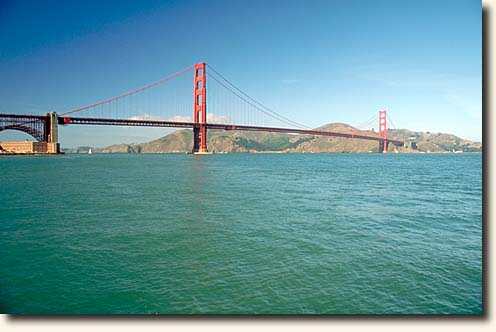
[[42, 127]]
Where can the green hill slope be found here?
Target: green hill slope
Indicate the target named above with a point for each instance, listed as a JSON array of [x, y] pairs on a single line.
[[181, 141]]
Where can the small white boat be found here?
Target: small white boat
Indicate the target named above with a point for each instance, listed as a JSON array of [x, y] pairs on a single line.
[[89, 151]]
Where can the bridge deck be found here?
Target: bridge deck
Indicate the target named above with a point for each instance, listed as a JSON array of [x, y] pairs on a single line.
[[155, 123]]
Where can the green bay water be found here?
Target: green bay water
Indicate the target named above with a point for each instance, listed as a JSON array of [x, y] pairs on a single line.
[[241, 233]]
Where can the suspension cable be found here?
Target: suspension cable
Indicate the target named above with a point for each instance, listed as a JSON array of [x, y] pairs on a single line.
[[255, 106], [369, 121], [132, 92], [275, 114], [391, 121]]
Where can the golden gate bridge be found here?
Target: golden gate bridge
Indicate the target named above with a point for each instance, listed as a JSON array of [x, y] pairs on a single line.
[[168, 103]]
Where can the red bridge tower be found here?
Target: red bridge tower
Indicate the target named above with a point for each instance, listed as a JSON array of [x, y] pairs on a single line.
[[200, 109], [383, 144]]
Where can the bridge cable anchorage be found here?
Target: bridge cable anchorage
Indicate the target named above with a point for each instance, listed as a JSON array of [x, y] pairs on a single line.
[[132, 92], [273, 114]]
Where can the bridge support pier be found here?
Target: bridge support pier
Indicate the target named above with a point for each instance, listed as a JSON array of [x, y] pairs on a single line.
[[383, 145], [200, 144], [44, 128], [52, 132]]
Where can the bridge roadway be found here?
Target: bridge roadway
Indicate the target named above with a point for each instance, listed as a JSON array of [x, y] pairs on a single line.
[[156, 123]]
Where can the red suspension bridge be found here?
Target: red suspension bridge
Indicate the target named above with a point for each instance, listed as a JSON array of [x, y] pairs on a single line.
[[168, 103]]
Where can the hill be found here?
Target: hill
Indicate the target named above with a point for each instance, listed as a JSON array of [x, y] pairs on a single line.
[[243, 141]]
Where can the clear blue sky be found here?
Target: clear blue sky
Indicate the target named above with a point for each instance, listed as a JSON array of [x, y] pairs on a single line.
[[313, 61]]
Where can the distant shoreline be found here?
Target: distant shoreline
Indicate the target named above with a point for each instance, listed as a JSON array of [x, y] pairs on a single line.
[[278, 152], [259, 142]]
